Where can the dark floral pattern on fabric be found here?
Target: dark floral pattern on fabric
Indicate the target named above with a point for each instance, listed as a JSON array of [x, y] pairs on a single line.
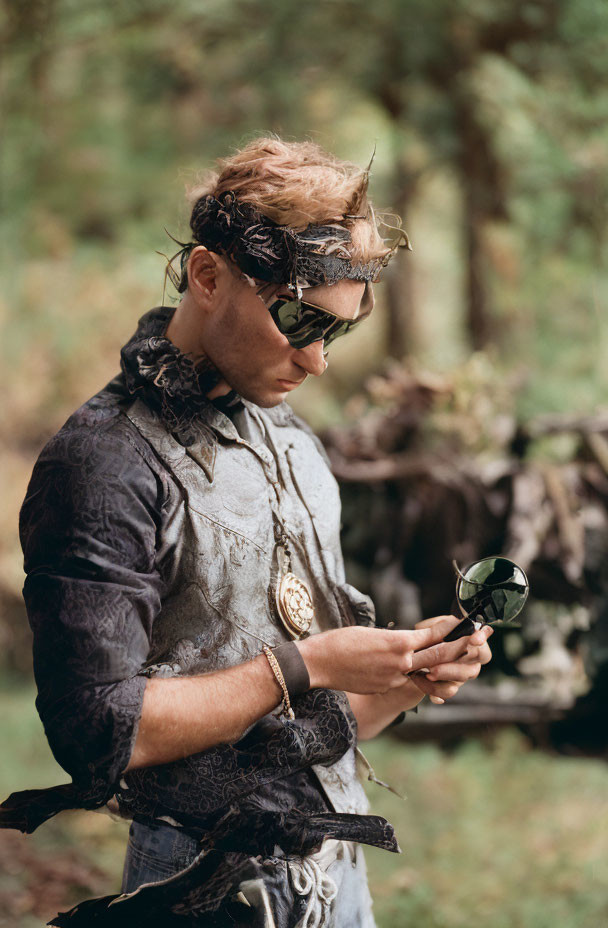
[[273, 253], [165, 378], [198, 786], [88, 528]]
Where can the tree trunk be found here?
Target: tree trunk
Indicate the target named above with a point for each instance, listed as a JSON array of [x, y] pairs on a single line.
[[401, 309], [477, 301], [483, 199]]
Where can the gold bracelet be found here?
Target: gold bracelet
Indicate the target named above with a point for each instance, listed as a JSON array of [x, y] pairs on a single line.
[[274, 666]]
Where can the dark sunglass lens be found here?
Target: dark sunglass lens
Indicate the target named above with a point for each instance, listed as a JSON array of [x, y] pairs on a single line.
[[335, 332], [306, 335], [288, 316], [494, 588], [302, 323]]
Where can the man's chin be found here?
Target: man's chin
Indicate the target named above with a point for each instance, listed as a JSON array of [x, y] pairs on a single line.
[[270, 403], [266, 399], [267, 402]]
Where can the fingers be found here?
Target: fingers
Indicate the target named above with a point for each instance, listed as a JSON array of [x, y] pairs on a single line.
[[459, 667], [448, 664], [428, 623], [440, 690], [431, 631], [426, 647], [439, 654], [482, 654], [485, 654], [433, 634], [365, 660], [455, 672]]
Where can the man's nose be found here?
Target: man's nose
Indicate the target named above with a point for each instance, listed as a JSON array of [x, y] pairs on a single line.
[[311, 358]]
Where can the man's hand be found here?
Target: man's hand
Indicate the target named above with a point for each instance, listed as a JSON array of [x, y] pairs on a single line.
[[375, 660], [443, 676], [445, 679]]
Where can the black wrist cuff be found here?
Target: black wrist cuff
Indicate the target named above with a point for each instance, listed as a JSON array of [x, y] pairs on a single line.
[[293, 668]]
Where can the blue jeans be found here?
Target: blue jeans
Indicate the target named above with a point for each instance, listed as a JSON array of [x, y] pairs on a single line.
[[155, 852]]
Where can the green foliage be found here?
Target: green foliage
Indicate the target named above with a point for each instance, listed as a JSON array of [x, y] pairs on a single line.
[[110, 108]]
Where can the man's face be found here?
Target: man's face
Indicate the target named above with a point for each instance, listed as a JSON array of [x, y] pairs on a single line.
[[253, 356]]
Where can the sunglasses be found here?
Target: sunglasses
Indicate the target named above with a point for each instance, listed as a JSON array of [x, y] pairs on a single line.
[[303, 323]]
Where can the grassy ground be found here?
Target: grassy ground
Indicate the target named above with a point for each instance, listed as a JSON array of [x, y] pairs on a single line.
[[493, 835]]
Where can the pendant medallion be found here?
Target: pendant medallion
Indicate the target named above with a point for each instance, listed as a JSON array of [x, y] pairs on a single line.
[[294, 605]]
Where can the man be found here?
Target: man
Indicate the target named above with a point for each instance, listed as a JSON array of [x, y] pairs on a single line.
[[197, 650]]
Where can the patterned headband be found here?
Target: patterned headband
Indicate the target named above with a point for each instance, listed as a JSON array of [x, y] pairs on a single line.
[[266, 251]]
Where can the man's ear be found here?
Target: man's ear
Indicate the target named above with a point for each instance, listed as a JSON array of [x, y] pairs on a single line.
[[202, 275]]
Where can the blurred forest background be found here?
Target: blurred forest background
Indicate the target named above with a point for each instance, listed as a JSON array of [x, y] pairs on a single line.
[[469, 417]]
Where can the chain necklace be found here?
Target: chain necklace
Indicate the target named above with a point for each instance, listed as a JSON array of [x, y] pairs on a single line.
[[293, 598]]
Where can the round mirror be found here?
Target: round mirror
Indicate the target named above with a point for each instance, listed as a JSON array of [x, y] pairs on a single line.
[[494, 589]]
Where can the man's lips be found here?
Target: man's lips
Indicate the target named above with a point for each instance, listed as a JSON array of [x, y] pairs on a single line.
[[290, 384]]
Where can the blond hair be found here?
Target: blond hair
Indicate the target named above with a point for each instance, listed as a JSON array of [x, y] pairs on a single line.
[[297, 184]]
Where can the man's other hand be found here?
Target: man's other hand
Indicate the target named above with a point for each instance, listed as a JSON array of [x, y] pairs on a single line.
[[375, 660], [444, 680]]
